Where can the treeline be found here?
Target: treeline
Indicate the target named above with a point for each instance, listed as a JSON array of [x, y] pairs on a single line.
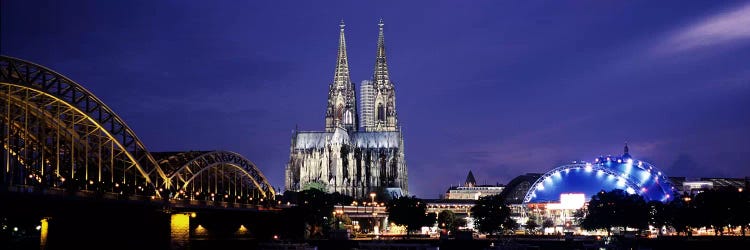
[[314, 215], [721, 209]]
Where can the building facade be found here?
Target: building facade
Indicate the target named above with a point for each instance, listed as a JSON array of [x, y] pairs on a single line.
[[471, 191], [343, 158]]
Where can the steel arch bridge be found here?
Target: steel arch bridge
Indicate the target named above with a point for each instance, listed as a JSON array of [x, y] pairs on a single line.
[[57, 135], [215, 175]]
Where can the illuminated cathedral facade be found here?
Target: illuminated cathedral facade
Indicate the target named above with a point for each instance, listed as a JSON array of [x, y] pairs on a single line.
[[356, 155]]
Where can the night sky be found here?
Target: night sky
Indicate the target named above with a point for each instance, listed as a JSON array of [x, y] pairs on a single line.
[[501, 88]]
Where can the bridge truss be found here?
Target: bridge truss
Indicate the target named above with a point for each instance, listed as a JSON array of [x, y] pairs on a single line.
[[55, 134]]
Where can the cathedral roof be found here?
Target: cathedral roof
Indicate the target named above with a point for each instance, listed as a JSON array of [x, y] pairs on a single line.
[[311, 140], [388, 139], [340, 136]]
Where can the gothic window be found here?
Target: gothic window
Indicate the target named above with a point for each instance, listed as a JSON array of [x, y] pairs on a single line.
[[348, 119], [381, 112], [339, 111]]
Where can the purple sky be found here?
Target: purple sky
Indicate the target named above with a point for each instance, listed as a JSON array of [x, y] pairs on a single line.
[[501, 88]]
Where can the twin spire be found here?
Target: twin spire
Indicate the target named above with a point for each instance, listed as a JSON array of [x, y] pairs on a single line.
[[380, 76], [381, 66], [341, 76], [378, 96]]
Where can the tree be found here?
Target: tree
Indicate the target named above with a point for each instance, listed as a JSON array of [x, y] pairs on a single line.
[[446, 219], [658, 215], [682, 214], [635, 212], [547, 223], [715, 207], [491, 214], [315, 211], [531, 224], [316, 207], [742, 210], [410, 212], [616, 208], [510, 225]]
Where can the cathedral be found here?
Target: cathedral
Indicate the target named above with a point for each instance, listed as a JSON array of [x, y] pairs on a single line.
[[356, 155]]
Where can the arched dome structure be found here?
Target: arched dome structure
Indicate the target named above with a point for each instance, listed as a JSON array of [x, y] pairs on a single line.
[[605, 173]]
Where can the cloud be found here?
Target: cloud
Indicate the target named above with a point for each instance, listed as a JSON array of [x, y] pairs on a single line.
[[718, 29]]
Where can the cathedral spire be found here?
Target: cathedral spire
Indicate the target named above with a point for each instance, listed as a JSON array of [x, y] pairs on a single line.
[[384, 94], [341, 76], [381, 66], [342, 103]]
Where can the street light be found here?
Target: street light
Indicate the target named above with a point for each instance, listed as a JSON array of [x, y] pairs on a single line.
[[372, 195]]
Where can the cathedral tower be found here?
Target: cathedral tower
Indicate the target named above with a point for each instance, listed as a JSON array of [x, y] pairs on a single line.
[[384, 96], [342, 103], [346, 159]]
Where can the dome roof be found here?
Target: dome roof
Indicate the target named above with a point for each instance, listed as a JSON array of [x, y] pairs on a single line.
[[606, 173]]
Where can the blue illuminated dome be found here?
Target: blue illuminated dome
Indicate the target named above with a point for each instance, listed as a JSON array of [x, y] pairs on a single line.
[[605, 173]]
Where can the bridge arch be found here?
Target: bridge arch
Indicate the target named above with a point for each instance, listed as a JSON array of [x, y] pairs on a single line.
[[208, 174], [56, 133]]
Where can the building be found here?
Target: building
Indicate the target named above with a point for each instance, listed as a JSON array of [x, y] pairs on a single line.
[[605, 173], [712, 183], [516, 189], [470, 190], [343, 158], [367, 104]]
